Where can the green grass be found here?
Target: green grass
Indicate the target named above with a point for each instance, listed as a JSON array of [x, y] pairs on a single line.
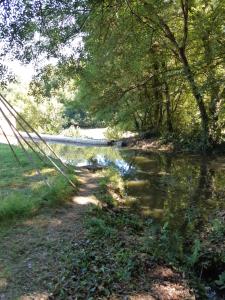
[[22, 190]]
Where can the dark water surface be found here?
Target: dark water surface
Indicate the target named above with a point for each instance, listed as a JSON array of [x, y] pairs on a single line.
[[160, 185]]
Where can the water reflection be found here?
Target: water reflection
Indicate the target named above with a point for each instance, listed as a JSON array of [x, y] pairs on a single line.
[[180, 189]]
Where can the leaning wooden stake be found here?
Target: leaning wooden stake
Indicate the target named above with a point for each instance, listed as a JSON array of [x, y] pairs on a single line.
[[10, 145], [18, 136], [18, 117]]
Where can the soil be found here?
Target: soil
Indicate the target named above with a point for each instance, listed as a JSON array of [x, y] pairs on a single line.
[[152, 144]]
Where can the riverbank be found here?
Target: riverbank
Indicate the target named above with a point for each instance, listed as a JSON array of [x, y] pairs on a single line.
[[153, 144], [169, 145], [130, 256]]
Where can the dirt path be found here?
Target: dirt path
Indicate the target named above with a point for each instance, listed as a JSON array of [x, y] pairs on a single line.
[[34, 252]]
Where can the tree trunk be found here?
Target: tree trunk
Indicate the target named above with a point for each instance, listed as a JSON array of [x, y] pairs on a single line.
[[214, 87], [199, 99], [157, 95], [168, 109]]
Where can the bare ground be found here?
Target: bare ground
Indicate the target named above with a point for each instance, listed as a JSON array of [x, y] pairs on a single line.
[[152, 144]]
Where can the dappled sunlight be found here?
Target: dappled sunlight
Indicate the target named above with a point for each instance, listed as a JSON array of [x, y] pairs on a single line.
[[143, 160], [35, 296], [44, 171], [156, 186], [142, 296], [42, 223], [155, 213], [33, 251], [3, 283], [162, 272], [163, 173], [86, 192], [164, 291], [84, 200], [137, 183], [170, 291], [164, 284]]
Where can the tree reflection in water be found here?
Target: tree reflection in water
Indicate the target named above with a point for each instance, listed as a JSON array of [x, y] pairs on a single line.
[[182, 190]]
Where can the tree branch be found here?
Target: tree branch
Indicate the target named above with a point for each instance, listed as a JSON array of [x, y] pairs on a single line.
[[185, 7]]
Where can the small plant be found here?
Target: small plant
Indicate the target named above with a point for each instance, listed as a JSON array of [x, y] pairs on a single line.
[[72, 131], [98, 228], [196, 252], [221, 281], [113, 133]]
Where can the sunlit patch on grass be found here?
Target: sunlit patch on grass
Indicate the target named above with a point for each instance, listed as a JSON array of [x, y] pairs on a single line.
[[35, 296], [44, 171], [3, 283], [53, 222]]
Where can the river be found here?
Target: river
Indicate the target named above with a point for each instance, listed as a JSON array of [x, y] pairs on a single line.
[[160, 185]]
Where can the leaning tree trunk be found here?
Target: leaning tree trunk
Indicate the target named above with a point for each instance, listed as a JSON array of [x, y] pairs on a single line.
[[214, 90], [199, 100], [168, 109], [158, 96]]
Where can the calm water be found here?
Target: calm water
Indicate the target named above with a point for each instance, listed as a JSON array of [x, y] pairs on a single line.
[[163, 186]]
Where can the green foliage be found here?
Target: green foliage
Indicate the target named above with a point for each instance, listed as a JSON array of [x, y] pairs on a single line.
[[221, 281], [102, 263], [152, 66], [98, 228], [71, 131], [17, 205], [113, 133], [58, 84], [111, 178], [218, 229], [196, 250], [45, 115]]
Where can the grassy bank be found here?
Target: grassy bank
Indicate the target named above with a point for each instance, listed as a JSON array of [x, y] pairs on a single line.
[[128, 254], [22, 190]]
